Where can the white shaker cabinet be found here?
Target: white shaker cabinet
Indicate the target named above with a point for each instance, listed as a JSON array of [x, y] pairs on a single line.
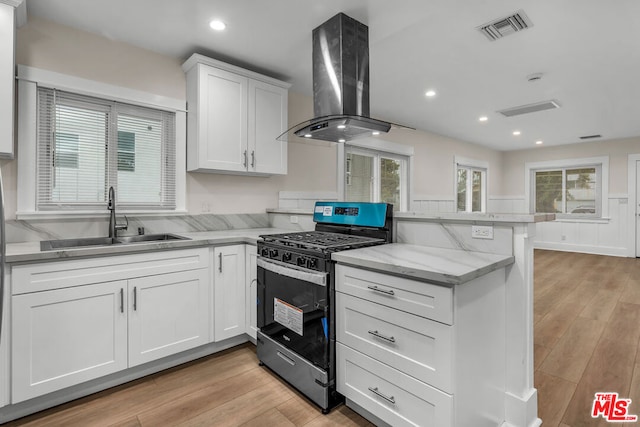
[[168, 314], [234, 118], [80, 319], [229, 296], [7, 78], [251, 316], [67, 336], [411, 352]]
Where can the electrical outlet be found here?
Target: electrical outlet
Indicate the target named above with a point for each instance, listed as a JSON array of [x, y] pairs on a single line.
[[563, 237], [205, 207], [482, 232], [293, 219]]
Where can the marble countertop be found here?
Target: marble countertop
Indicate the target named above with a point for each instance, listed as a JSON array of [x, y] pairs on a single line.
[[30, 251], [442, 266], [511, 218]]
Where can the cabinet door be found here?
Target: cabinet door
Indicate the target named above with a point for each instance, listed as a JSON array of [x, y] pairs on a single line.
[[222, 120], [251, 316], [229, 292], [65, 337], [267, 120], [7, 45], [167, 314]]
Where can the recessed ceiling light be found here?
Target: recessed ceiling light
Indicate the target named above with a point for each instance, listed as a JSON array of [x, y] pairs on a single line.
[[516, 132], [342, 126], [342, 140], [217, 25], [483, 118], [430, 93], [307, 135], [539, 142], [375, 132]]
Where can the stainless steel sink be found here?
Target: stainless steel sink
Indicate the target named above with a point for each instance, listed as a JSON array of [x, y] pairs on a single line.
[[146, 238], [50, 245]]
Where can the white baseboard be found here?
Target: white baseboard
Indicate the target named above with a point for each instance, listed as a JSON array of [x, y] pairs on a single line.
[[522, 411], [587, 249]]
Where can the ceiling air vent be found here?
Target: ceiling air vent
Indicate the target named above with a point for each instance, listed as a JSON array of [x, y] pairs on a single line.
[[502, 27], [530, 108]]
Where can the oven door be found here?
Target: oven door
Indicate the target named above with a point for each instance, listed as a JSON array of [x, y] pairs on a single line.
[[293, 309]]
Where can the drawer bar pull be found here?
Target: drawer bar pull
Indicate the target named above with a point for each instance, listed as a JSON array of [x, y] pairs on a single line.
[[384, 291], [389, 399], [384, 337], [286, 359]]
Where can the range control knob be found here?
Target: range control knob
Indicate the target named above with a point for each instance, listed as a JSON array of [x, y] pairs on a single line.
[[273, 253], [264, 252], [286, 256], [312, 263], [301, 261]]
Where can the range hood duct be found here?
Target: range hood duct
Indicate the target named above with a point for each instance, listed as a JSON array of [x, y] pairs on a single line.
[[340, 84]]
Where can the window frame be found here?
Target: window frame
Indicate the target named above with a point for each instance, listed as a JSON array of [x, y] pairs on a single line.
[[471, 165], [379, 148], [29, 78], [601, 165]]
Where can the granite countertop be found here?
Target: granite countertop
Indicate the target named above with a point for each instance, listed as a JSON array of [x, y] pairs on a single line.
[[438, 265], [30, 251]]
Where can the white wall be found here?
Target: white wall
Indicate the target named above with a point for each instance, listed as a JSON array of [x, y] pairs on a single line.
[[312, 167], [609, 236]]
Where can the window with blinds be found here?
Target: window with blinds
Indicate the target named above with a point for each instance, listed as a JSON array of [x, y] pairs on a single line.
[[86, 145]]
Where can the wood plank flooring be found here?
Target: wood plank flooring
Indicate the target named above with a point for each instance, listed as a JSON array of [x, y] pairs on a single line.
[[586, 333]]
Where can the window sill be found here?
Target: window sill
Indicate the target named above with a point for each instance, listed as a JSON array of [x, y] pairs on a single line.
[[604, 220], [59, 215]]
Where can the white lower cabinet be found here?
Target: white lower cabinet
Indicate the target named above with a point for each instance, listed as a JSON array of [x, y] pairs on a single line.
[[397, 398], [168, 314], [70, 323], [251, 316], [229, 296], [416, 353], [67, 336]]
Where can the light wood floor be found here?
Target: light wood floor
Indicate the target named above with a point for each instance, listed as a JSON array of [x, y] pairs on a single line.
[[587, 335]]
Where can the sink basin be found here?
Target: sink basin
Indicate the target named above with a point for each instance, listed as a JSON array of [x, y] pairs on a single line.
[[146, 238], [50, 245]]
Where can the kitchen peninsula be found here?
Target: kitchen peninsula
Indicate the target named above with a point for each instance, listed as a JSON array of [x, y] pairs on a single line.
[[502, 234]]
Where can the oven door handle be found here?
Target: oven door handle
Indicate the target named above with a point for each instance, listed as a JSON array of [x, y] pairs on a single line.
[[314, 277]]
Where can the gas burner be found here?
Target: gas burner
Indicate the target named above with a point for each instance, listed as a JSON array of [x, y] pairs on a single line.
[[320, 240]]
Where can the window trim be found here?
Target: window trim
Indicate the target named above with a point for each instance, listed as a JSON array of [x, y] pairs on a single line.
[[29, 79], [602, 197], [385, 147], [473, 165]]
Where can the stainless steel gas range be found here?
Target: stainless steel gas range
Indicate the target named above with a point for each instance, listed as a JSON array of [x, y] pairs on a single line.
[[296, 293]]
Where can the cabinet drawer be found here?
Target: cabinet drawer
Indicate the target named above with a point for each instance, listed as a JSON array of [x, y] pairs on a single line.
[[63, 274], [419, 298], [390, 395], [416, 346]]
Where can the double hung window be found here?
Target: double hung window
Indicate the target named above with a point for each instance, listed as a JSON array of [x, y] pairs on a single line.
[[376, 176], [572, 188], [471, 186], [86, 145]]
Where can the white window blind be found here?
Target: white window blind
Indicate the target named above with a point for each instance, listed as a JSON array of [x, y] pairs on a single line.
[[86, 145]]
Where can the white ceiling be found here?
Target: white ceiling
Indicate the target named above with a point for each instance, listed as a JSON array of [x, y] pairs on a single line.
[[588, 50]]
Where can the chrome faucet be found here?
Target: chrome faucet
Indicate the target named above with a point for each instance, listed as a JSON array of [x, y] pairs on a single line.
[[113, 226]]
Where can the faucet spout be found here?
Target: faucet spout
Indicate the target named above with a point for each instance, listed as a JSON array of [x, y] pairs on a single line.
[[111, 206]]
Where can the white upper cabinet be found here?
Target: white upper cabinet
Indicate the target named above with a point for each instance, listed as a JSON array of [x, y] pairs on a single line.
[[234, 118], [7, 78]]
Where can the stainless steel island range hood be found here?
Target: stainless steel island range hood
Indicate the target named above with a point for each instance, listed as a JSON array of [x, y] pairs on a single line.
[[340, 84]]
